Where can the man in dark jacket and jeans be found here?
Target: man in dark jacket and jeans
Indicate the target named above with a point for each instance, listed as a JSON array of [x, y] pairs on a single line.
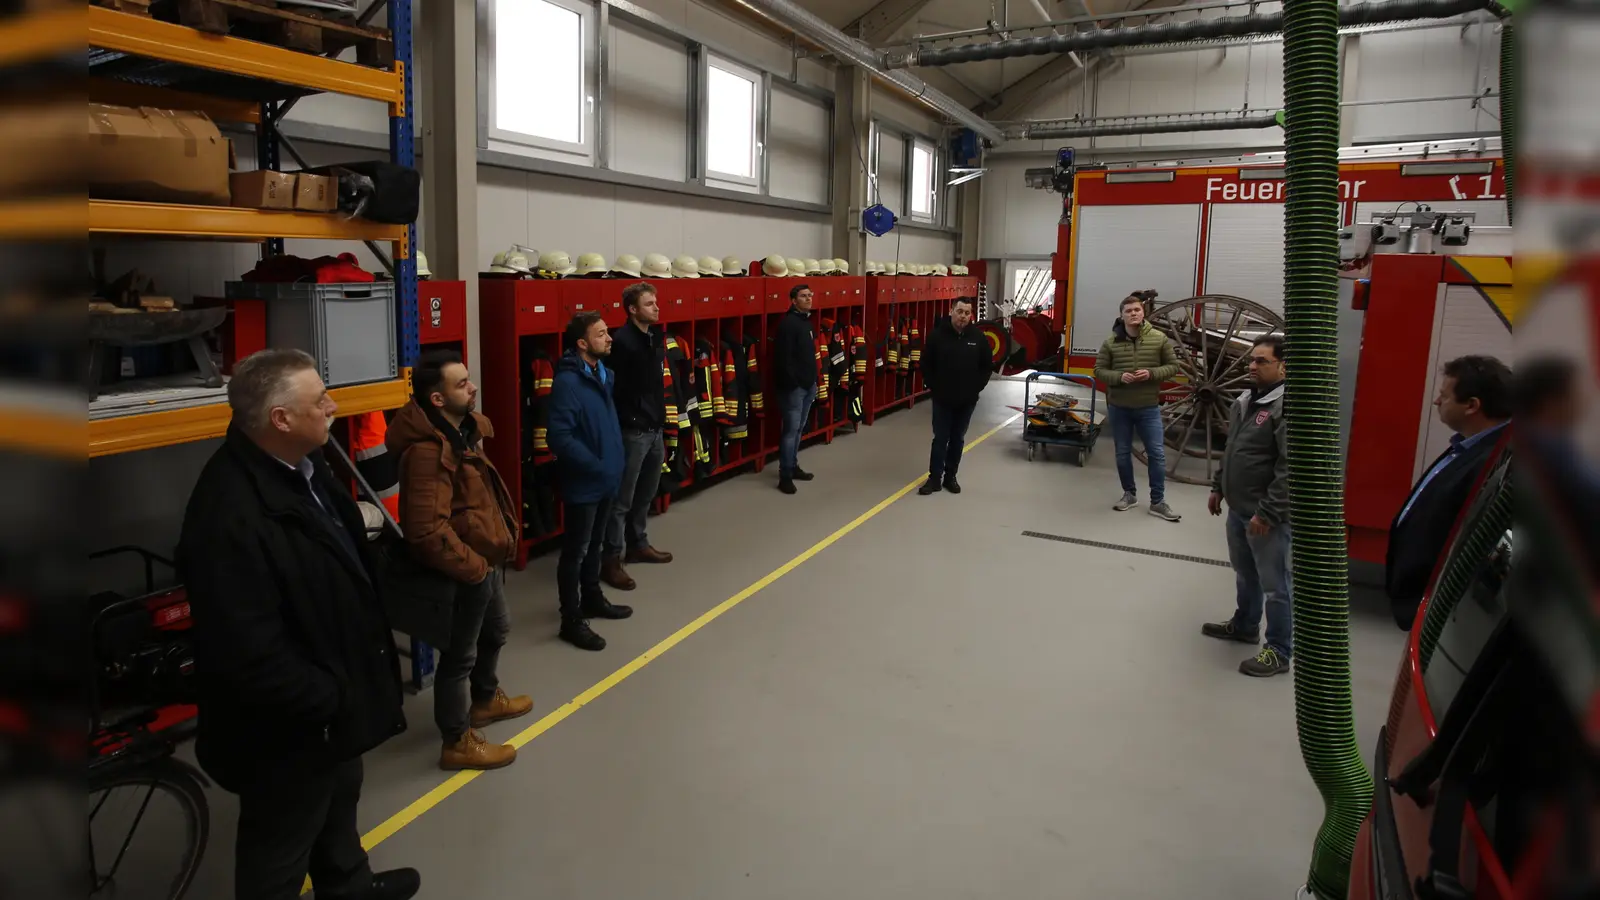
[[296, 668], [794, 372], [638, 355], [1254, 480], [955, 367], [587, 443]]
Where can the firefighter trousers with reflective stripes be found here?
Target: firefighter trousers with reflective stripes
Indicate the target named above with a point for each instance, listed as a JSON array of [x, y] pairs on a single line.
[[467, 671], [292, 826], [641, 475], [949, 436]]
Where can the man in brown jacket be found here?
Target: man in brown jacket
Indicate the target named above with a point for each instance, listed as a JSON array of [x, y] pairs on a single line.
[[458, 518]]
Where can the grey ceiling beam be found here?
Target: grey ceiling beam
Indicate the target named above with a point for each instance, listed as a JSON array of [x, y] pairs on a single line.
[[879, 23], [1016, 96]]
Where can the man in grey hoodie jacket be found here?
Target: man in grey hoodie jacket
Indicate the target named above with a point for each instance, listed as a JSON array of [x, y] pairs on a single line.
[[1254, 480]]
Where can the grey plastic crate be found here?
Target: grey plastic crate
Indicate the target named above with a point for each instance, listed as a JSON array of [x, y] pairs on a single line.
[[349, 328]]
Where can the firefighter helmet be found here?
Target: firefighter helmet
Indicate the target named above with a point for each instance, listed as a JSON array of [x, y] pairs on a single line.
[[842, 267], [627, 264], [813, 267], [657, 266], [591, 264], [685, 267], [775, 267], [797, 267], [710, 267], [422, 266], [941, 269], [557, 262], [732, 266]]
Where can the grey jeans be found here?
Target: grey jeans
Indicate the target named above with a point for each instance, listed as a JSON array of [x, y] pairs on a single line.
[[644, 452], [467, 668]]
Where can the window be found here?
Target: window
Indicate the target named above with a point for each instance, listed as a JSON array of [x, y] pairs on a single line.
[[923, 182], [540, 82], [733, 116]]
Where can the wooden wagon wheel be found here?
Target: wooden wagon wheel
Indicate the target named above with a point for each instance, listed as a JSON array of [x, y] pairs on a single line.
[[1211, 335]]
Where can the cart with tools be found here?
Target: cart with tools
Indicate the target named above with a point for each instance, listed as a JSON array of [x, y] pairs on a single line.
[[1050, 419]]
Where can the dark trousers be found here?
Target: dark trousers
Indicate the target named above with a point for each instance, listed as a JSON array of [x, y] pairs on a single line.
[[289, 828], [583, 545], [641, 477], [795, 406], [949, 437], [467, 668]]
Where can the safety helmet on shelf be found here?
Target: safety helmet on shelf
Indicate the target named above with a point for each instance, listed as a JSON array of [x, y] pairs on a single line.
[[685, 267], [960, 270], [872, 267], [656, 265], [924, 269], [813, 267], [422, 266], [517, 261], [710, 267], [591, 263], [626, 264], [797, 267], [732, 266], [557, 262], [941, 269], [841, 266], [775, 267], [888, 267], [498, 264]]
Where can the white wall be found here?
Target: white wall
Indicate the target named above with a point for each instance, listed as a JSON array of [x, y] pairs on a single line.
[[912, 246]]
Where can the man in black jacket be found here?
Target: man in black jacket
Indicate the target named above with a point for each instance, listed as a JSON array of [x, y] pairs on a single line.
[[638, 354], [955, 366], [296, 668], [794, 372], [1474, 400]]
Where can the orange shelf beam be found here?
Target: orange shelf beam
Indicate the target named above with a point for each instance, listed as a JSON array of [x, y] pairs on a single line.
[[129, 93], [175, 220], [141, 36], [126, 434]]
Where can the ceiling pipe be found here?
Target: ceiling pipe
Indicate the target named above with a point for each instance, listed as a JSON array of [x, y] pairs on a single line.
[[1358, 13], [848, 49], [1050, 132]]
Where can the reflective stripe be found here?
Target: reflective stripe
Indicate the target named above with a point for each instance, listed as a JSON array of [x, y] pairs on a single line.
[[371, 452]]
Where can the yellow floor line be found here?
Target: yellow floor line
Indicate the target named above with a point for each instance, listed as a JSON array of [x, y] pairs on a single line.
[[461, 779]]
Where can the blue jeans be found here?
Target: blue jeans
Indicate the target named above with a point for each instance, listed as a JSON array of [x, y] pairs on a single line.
[[795, 404], [949, 436], [1146, 421], [1261, 575]]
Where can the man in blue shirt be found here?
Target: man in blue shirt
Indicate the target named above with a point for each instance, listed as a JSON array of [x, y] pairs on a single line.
[[1474, 401]]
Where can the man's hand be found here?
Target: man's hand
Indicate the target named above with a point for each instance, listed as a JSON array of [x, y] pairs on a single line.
[[1129, 378], [1214, 504], [1142, 374], [1258, 526]]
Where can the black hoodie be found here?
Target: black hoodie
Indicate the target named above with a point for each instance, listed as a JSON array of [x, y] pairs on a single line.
[[956, 364]]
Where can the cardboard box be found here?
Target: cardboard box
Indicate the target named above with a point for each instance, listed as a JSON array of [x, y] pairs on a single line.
[[156, 156], [263, 189], [314, 193]]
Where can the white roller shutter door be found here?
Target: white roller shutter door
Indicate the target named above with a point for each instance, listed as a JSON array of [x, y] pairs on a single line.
[[1244, 252], [1122, 249], [1465, 323]]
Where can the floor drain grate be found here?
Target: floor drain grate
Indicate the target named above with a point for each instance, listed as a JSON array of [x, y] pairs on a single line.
[[1083, 542]]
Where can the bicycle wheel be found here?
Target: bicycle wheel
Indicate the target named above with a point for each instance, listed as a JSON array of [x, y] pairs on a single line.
[[148, 828]]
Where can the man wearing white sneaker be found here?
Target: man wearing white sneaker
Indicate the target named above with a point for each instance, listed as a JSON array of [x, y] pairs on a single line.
[[1254, 480]]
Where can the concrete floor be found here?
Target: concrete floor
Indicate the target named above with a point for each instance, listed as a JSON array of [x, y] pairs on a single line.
[[932, 707]]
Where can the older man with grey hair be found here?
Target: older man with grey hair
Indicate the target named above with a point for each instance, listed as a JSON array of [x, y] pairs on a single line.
[[296, 667]]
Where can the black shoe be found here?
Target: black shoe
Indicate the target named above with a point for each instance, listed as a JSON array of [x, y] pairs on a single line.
[[1265, 664], [598, 607], [577, 633], [928, 487], [951, 485], [786, 485], [802, 475], [1227, 631], [395, 884]]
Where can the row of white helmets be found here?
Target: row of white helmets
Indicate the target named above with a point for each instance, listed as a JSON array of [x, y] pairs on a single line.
[[656, 265]]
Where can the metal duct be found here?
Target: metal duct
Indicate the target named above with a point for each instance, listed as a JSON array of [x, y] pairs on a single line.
[[1089, 129], [804, 23], [1359, 13]]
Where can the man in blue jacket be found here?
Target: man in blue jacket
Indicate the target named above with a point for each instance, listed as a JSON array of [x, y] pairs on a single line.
[[587, 443]]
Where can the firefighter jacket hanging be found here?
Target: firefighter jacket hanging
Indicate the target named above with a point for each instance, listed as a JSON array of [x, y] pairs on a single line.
[[741, 388], [712, 410], [373, 459], [677, 432], [539, 507]]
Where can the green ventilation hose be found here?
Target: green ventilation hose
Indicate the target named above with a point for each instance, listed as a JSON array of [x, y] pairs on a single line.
[[1508, 113], [1460, 568], [1323, 706]]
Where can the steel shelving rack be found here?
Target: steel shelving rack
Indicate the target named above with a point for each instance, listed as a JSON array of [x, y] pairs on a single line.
[[136, 59]]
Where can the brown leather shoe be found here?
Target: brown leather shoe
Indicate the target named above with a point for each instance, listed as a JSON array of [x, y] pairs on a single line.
[[648, 554], [612, 573], [500, 708], [473, 752]]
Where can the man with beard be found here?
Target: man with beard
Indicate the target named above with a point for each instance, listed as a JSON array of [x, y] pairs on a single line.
[[1254, 480], [457, 515], [586, 439], [297, 671]]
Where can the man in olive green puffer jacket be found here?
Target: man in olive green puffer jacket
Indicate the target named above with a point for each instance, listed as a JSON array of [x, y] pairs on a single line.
[[1132, 364]]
